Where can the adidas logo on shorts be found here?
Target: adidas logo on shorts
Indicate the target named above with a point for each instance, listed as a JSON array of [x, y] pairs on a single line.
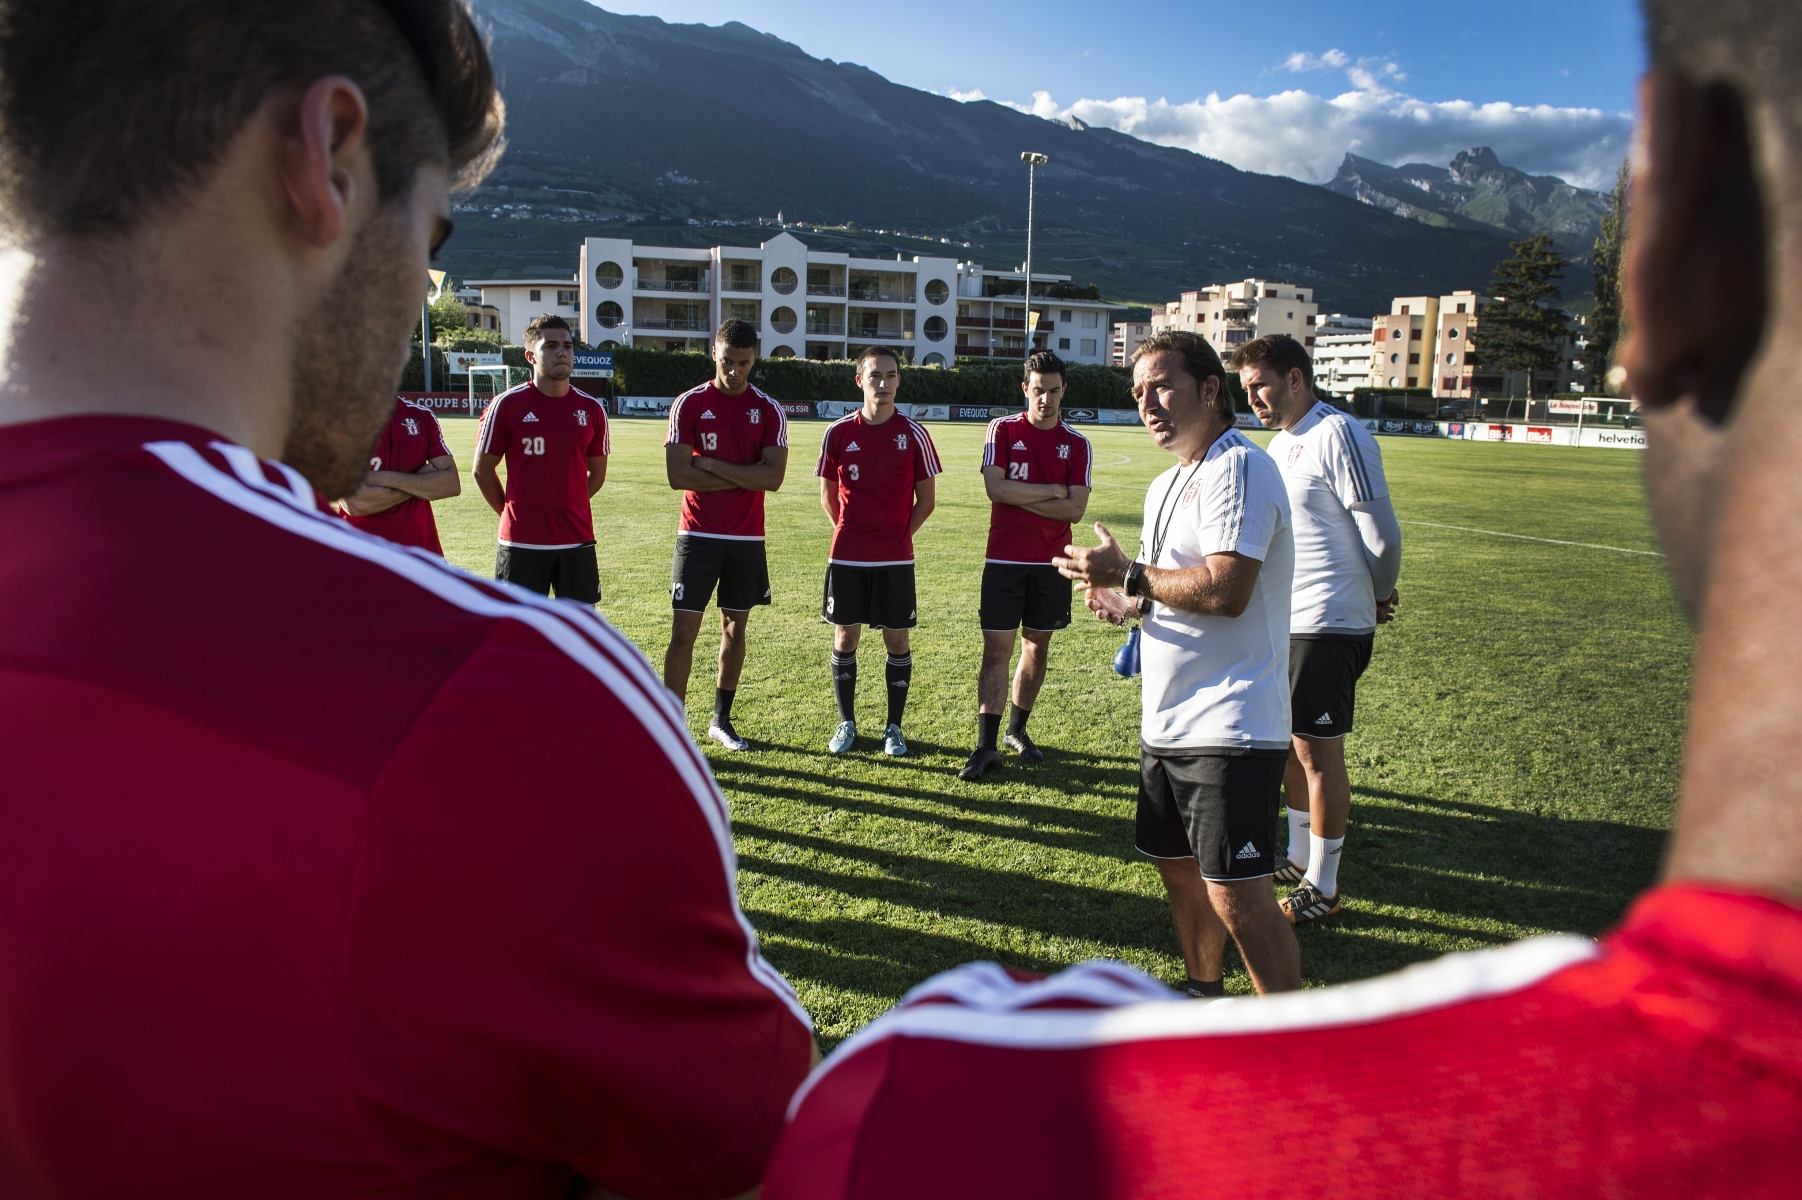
[[1247, 851], [1324, 719]]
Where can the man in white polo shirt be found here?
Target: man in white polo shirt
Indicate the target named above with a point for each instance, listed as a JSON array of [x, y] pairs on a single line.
[[1348, 555], [1211, 588]]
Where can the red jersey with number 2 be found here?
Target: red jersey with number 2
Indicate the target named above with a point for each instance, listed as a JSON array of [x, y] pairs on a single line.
[[411, 440], [1028, 454], [875, 468], [732, 429], [547, 442]]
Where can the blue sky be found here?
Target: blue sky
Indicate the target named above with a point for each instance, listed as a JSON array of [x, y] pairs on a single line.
[[1285, 88]]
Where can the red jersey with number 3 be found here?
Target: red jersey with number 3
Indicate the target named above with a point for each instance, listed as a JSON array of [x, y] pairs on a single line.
[[1028, 454], [875, 468], [411, 440], [547, 442], [732, 429]]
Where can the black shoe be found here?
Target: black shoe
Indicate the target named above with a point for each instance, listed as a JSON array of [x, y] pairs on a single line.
[[982, 761], [1022, 745]]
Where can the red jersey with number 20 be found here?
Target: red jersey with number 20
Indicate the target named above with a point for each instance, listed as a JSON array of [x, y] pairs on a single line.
[[1666, 1061], [547, 442], [732, 429], [411, 440], [874, 468], [1027, 454]]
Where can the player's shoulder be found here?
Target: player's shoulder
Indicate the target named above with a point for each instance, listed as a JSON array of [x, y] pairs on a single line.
[[1065, 427], [756, 395], [838, 428], [414, 407], [692, 393], [508, 399], [588, 397]]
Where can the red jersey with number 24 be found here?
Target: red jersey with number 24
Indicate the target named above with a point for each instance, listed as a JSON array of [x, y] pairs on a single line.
[[874, 468], [732, 429], [1028, 454], [411, 440], [547, 442]]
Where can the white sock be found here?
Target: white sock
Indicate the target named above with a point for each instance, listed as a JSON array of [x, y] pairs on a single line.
[[1323, 863], [1298, 836]]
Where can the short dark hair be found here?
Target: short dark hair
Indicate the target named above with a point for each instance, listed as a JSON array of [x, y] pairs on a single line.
[[102, 124], [871, 353], [740, 335], [537, 325], [1043, 362], [1277, 350], [1199, 360]]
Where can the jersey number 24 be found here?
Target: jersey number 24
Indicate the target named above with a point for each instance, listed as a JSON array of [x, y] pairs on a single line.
[[1017, 470]]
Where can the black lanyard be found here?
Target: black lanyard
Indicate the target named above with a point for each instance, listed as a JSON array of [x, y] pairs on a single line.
[[1160, 528]]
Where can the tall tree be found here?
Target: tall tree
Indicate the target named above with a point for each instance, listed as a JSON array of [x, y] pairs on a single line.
[[1605, 328], [1524, 329], [450, 319]]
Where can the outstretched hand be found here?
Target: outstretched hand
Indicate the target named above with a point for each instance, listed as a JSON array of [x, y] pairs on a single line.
[[1103, 567]]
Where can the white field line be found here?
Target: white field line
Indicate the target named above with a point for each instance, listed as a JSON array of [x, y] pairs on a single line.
[[1524, 538]]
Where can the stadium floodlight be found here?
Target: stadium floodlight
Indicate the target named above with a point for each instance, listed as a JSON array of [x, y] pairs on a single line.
[[1033, 160]]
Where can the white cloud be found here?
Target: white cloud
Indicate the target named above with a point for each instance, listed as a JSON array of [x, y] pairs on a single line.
[[1305, 136], [966, 97]]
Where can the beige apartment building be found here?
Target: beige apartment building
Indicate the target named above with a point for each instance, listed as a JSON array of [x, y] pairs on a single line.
[[1425, 342], [1232, 314], [1127, 336]]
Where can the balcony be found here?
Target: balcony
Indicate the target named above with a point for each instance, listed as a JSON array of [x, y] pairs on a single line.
[[825, 289], [671, 285], [880, 295], [692, 324], [867, 334], [972, 351], [1008, 323], [825, 329], [972, 322], [741, 285]]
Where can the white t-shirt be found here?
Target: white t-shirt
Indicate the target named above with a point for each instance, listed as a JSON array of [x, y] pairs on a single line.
[[1214, 682], [1329, 463]]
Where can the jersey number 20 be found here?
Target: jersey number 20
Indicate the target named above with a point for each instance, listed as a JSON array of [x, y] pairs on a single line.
[[532, 445]]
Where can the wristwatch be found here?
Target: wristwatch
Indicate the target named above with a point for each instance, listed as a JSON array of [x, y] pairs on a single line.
[[1135, 577]]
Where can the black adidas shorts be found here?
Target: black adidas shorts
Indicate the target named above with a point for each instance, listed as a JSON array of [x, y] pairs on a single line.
[[880, 597], [739, 568], [573, 574], [1323, 682], [1029, 594], [1218, 807]]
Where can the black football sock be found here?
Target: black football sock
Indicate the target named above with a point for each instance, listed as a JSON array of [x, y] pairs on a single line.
[[900, 673], [722, 704], [988, 728], [1016, 719], [1203, 987], [844, 684]]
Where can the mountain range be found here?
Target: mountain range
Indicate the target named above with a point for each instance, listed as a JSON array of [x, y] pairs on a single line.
[[695, 135]]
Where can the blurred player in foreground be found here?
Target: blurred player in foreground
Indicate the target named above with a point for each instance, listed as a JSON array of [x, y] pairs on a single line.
[[876, 473], [1665, 1060], [325, 869], [410, 468], [1036, 471]]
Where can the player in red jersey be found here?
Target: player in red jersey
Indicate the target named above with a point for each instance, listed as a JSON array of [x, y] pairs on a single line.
[[876, 473], [1037, 472], [1665, 1060], [553, 437], [266, 928], [727, 446], [411, 467]]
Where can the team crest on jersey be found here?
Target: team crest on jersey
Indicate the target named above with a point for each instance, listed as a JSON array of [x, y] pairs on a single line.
[[1019, 445], [412, 426], [1294, 453], [1063, 449], [900, 441], [851, 447], [756, 415], [528, 417], [708, 415], [1189, 493], [582, 417]]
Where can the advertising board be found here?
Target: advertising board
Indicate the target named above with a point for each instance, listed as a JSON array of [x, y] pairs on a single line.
[[1573, 408], [1499, 433], [1539, 433], [593, 364], [461, 360]]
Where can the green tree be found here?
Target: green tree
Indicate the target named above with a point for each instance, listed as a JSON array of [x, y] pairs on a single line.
[[449, 317], [1605, 327], [1524, 329]]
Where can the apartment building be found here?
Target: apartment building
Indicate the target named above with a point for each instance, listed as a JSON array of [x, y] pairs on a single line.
[[1426, 342], [1232, 314], [826, 305], [1127, 336], [516, 301], [479, 314]]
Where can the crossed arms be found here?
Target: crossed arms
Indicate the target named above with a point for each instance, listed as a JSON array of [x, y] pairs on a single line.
[[689, 472], [382, 490], [1054, 501]]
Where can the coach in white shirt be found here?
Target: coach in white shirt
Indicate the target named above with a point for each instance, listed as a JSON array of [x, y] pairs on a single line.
[[1211, 587], [1348, 555]]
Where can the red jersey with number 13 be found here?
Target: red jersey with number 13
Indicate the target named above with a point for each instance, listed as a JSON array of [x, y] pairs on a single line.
[[547, 442], [731, 429], [411, 440], [1027, 454], [875, 468]]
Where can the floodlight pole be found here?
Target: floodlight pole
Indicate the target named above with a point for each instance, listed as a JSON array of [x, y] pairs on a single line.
[[1032, 159], [425, 341]]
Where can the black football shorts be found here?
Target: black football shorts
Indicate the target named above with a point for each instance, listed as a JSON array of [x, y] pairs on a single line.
[[1323, 682], [1218, 807], [738, 568], [1029, 594], [880, 597]]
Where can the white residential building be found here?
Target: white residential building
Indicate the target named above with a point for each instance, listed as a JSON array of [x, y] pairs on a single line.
[[517, 301], [826, 305], [1342, 363], [1232, 314], [1127, 336]]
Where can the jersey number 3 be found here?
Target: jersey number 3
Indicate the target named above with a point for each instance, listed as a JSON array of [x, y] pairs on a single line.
[[1017, 470], [532, 445], [851, 470]]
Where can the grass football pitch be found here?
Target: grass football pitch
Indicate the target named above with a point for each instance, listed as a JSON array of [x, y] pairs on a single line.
[[1513, 768]]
